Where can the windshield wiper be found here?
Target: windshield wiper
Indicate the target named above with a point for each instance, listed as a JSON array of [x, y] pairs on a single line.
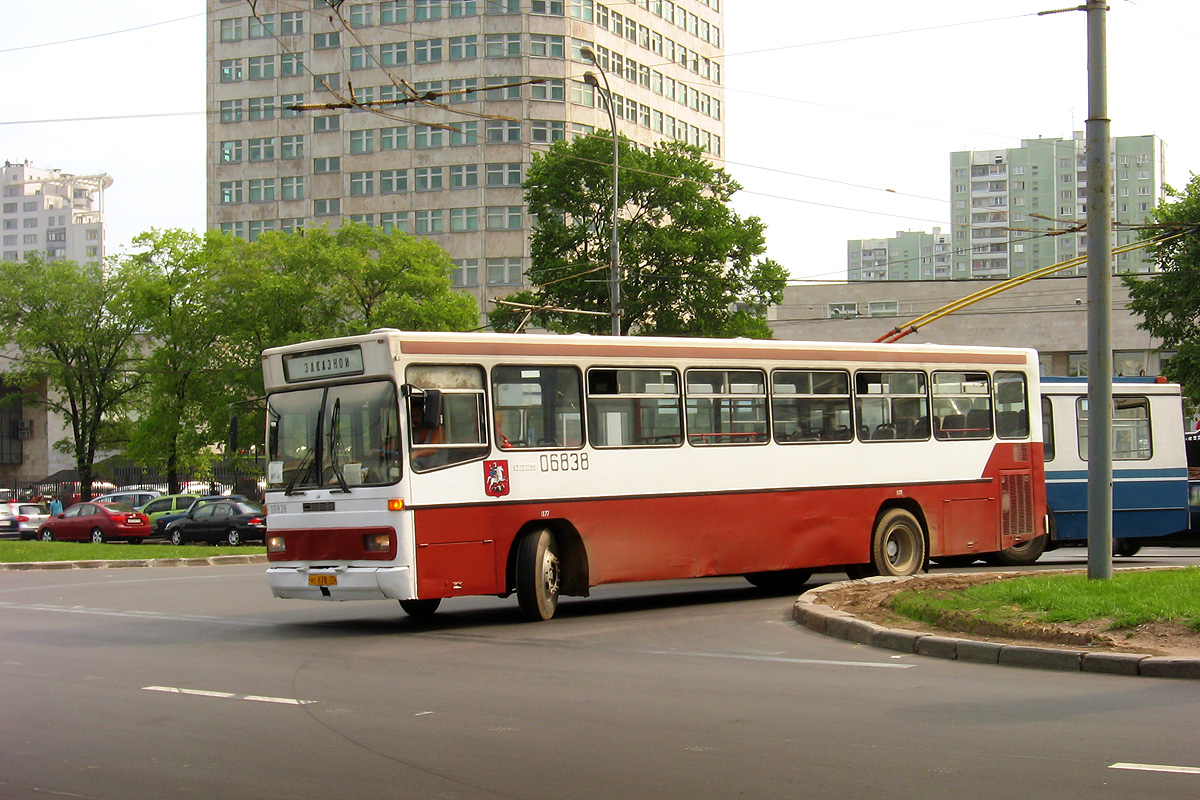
[[334, 441], [300, 470]]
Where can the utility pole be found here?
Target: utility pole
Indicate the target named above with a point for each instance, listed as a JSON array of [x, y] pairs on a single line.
[[1099, 285]]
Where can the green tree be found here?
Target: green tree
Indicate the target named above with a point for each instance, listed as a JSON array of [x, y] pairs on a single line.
[[1169, 301], [170, 286], [691, 266], [74, 335]]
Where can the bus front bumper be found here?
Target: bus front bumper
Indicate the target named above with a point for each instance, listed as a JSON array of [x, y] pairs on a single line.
[[340, 583]]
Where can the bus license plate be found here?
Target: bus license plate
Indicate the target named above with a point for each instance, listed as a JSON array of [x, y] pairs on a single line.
[[322, 580]]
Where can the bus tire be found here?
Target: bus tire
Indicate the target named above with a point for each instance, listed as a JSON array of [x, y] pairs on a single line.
[[420, 608], [783, 581], [538, 572], [898, 544], [1125, 547], [965, 560], [1019, 555]]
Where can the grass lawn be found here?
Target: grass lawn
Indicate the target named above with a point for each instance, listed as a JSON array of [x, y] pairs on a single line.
[[14, 551], [1127, 599]]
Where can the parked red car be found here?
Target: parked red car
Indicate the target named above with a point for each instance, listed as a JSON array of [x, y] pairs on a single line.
[[96, 522]]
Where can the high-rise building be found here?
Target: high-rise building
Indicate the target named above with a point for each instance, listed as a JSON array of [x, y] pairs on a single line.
[[901, 258], [449, 167], [51, 212], [1019, 209]]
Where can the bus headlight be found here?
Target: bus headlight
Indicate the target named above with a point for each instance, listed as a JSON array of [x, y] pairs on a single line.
[[377, 542], [276, 544]]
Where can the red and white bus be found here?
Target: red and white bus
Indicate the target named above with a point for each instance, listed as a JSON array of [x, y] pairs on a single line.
[[426, 466]]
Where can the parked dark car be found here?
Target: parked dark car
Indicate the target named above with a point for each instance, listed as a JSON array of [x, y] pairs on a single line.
[[96, 522], [163, 520], [225, 521]]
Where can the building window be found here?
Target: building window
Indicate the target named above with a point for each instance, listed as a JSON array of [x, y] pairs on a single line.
[[428, 221], [427, 179], [393, 54], [546, 46], [393, 181], [394, 221], [326, 124], [502, 45], [258, 227], [463, 8], [231, 70], [231, 192], [427, 10], [362, 141], [231, 153], [427, 51], [261, 67], [262, 27], [262, 190], [426, 137], [262, 149], [498, 131], [464, 133], [327, 208], [362, 183], [231, 111], [326, 41], [324, 165], [553, 89], [504, 174], [261, 108], [328, 82], [464, 176], [465, 273], [464, 219], [291, 188], [291, 23], [291, 146], [291, 64], [463, 48], [362, 15], [231, 29], [503, 218], [503, 271], [393, 138], [547, 130], [393, 11]]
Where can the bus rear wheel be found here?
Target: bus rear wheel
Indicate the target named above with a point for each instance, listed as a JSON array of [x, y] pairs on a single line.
[[538, 571], [898, 546], [1019, 555], [420, 608]]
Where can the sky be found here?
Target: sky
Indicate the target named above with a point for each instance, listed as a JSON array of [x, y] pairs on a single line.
[[840, 117]]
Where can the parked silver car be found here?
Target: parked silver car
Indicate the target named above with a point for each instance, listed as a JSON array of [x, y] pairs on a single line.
[[9, 527], [29, 518]]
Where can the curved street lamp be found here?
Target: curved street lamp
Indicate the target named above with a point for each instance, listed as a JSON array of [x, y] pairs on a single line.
[[614, 280]]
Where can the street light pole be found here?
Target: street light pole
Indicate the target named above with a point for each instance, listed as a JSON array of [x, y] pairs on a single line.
[[614, 279]]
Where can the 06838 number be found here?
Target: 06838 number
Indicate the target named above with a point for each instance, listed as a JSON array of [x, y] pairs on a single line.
[[563, 462]]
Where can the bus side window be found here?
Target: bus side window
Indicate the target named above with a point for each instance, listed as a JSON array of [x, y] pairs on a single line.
[[1047, 429], [1012, 405], [537, 406]]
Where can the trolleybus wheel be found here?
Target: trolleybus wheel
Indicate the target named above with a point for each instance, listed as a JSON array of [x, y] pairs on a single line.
[[1126, 547], [784, 580], [420, 608], [898, 546], [955, 561], [538, 575], [1019, 555]]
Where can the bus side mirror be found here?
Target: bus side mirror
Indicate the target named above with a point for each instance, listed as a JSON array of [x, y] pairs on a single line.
[[424, 406]]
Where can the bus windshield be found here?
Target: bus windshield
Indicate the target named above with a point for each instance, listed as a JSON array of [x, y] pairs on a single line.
[[333, 437]]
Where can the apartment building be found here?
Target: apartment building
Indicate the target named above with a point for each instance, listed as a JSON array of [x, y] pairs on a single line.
[[53, 213], [448, 166], [1019, 209], [900, 258]]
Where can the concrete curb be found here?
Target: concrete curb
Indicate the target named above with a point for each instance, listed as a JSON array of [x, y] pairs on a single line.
[[829, 621], [211, 561]]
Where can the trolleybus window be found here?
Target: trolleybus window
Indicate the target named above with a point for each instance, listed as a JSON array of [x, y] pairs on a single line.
[[336, 436], [537, 407], [458, 431], [1047, 429], [726, 406], [1130, 428], [891, 405], [634, 407], [1012, 405], [808, 406], [962, 405]]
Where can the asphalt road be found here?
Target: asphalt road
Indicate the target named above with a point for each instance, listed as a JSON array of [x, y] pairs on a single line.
[[196, 683]]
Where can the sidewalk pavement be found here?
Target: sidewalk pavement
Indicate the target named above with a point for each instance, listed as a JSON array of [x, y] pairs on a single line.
[[817, 616], [210, 561]]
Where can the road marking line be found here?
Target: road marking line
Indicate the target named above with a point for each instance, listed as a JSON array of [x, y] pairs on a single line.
[[288, 701], [1157, 768], [151, 615]]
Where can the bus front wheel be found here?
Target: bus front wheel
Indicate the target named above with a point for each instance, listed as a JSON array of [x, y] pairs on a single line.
[[784, 581], [420, 608], [898, 546], [538, 571]]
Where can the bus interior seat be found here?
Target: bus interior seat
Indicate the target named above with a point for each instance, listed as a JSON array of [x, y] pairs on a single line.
[[952, 426], [979, 423]]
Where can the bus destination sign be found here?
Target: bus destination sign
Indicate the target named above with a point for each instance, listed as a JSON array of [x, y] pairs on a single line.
[[323, 364]]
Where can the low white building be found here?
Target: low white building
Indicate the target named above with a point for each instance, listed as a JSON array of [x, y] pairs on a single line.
[[52, 212]]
